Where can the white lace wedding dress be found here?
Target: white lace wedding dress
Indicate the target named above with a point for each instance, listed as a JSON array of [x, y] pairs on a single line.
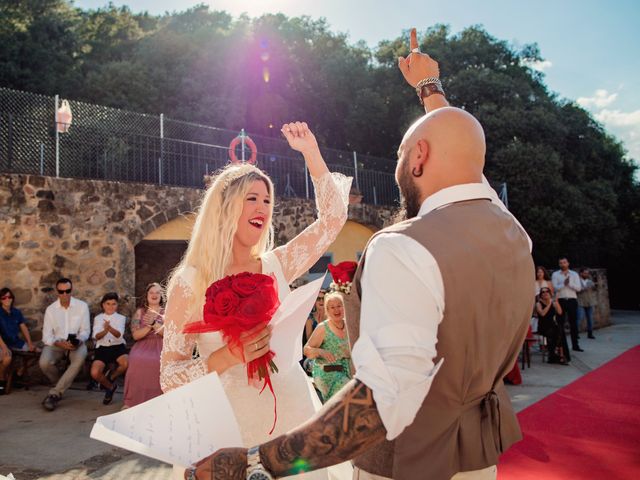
[[296, 400]]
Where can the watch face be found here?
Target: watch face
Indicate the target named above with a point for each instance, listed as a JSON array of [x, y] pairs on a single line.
[[257, 475]]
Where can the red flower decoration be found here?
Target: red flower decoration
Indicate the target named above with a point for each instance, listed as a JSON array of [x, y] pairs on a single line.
[[343, 272], [238, 303]]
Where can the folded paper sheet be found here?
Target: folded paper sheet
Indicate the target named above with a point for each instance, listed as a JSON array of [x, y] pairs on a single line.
[[180, 427], [288, 324]]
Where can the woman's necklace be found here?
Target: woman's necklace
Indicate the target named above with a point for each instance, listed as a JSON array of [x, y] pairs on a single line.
[[336, 325]]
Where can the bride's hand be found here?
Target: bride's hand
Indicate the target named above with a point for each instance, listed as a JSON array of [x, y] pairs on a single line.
[[253, 344], [299, 136]]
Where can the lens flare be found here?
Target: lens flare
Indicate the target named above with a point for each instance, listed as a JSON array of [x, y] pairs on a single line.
[[300, 465], [266, 75]]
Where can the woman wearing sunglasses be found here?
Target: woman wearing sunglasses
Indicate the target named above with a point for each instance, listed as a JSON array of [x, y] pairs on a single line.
[[12, 324]]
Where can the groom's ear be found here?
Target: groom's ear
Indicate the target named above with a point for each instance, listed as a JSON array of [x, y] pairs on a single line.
[[420, 154]]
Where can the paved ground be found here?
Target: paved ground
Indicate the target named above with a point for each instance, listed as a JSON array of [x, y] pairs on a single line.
[[35, 444], [542, 379]]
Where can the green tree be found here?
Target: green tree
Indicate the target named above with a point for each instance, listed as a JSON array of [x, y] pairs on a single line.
[[570, 182]]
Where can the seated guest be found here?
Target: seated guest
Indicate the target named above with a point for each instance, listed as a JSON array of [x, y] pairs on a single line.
[[65, 330], [12, 324], [5, 361], [329, 347], [142, 382], [108, 332], [549, 311]]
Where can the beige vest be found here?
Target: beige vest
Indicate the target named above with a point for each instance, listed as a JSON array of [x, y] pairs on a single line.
[[466, 420]]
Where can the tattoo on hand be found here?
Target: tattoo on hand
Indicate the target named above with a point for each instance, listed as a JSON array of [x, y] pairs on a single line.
[[348, 425], [226, 466]]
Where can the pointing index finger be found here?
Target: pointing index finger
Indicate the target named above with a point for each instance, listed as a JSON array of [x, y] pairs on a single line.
[[413, 43]]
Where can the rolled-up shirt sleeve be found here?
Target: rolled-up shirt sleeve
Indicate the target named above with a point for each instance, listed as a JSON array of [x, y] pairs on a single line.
[[402, 306]]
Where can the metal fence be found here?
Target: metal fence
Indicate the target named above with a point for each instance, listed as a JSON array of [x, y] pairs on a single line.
[[113, 144]]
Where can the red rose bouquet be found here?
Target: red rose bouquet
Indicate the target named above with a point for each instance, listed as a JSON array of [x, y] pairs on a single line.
[[236, 304], [342, 274]]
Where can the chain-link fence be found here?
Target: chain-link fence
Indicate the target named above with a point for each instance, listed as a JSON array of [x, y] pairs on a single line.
[[113, 144]]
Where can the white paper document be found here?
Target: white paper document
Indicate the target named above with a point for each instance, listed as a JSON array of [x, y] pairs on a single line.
[[288, 324], [180, 427]]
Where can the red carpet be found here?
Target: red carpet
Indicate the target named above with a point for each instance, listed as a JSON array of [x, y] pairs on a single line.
[[589, 429]]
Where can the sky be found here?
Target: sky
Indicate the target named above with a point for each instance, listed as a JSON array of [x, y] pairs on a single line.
[[591, 48]]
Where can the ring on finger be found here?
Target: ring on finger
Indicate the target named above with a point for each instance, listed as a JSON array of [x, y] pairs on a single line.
[[415, 50], [255, 347]]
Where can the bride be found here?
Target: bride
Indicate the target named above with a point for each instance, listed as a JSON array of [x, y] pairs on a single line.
[[233, 233]]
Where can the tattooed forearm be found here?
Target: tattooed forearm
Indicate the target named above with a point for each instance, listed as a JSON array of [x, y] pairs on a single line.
[[347, 426]]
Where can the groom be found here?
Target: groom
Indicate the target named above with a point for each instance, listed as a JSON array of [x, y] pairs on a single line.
[[445, 304]]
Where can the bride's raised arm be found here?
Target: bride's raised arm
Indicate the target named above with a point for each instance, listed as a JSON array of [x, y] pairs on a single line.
[[332, 201]]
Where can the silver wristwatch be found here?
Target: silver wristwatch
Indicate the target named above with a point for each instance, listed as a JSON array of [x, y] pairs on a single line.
[[255, 469]]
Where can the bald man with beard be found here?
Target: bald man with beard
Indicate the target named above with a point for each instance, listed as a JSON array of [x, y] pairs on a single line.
[[442, 306]]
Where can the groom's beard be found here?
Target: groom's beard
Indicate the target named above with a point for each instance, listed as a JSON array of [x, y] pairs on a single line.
[[410, 196]]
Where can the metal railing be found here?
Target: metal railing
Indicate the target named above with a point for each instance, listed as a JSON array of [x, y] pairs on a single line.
[[113, 144]]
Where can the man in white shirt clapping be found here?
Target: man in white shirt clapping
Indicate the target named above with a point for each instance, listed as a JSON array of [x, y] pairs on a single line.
[[567, 285], [65, 330]]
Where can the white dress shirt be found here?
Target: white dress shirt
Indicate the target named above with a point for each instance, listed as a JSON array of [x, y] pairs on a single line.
[[59, 322], [117, 321], [566, 291], [402, 306]]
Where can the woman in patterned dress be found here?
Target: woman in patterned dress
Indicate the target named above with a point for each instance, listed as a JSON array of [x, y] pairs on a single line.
[[329, 347], [233, 233]]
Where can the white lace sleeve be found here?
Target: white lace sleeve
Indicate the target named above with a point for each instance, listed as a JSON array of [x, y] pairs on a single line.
[[177, 365], [332, 201]]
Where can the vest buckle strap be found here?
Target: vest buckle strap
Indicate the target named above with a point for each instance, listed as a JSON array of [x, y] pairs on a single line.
[[490, 418]]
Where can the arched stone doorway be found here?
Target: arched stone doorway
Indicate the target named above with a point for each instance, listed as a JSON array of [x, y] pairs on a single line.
[[159, 252]]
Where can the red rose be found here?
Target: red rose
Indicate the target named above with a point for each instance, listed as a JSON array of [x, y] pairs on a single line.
[[246, 284], [216, 287], [262, 303], [343, 272], [226, 302]]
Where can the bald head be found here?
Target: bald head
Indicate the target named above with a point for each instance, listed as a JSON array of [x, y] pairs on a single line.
[[448, 145]]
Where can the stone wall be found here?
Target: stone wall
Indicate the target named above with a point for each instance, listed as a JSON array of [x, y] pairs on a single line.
[[87, 230], [82, 229]]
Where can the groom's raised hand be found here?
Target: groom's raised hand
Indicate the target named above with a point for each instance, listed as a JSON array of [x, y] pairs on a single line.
[[417, 66]]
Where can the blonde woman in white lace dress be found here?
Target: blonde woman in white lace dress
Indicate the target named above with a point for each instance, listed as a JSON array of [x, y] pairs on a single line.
[[233, 234]]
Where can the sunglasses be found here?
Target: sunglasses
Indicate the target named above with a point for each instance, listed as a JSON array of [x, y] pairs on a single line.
[[62, 292], [6, 297], [544, 291]]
